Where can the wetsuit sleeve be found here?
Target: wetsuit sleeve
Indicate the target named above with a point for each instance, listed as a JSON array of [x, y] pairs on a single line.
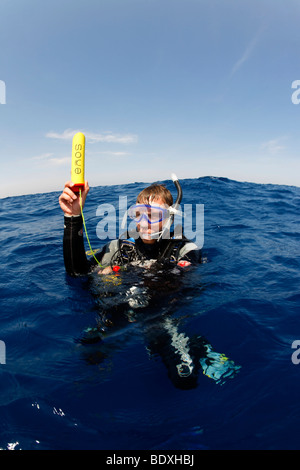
[[73, 247], [75, 259]]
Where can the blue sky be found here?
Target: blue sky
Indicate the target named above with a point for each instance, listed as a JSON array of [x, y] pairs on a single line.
[[195, 87]]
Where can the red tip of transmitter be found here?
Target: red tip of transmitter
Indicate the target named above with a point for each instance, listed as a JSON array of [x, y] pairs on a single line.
[[116, 269], [77, 187]]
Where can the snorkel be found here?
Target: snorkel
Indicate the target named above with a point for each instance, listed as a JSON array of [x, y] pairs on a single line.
[[179, 190]]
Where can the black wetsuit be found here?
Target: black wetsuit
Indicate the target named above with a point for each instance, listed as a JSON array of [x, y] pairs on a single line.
[[121, 251], [183, 356]]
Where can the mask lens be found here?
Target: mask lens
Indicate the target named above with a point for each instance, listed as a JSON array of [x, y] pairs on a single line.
[[155, 215], [152, 214], [136, 212]]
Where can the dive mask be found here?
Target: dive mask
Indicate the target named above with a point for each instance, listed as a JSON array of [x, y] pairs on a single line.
[[152, 214]]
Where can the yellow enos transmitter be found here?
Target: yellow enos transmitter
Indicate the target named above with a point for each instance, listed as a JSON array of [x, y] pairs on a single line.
[[78, 155]]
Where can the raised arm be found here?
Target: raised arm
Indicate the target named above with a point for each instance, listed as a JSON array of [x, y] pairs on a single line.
[[75, 259]]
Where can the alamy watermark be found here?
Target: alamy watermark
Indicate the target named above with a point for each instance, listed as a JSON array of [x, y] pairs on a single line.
[[2, 353], [188, 222], [2, 92], [296, 94], [296, 354]]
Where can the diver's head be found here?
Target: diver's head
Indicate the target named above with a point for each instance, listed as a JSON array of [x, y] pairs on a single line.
[[154, 211], [151, 211]]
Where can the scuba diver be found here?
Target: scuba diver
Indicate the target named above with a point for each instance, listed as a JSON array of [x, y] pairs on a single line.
[[153, 244], [153, 214]]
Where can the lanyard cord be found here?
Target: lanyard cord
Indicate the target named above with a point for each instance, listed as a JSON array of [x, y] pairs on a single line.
[[87, 237]]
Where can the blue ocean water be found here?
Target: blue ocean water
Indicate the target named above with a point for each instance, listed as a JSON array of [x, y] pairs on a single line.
[[58, 392]]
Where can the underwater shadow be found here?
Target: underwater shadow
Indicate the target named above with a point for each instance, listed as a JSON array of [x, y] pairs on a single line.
[[150, 303]]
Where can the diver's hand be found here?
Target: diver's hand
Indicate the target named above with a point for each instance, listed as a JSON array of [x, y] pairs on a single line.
[[69, 201], [107, 270]]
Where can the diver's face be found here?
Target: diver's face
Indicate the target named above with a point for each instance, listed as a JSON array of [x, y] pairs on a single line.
[[146, 229]]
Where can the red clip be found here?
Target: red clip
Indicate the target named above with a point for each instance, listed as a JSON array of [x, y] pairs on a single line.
[[116, 269], [183, 263]]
